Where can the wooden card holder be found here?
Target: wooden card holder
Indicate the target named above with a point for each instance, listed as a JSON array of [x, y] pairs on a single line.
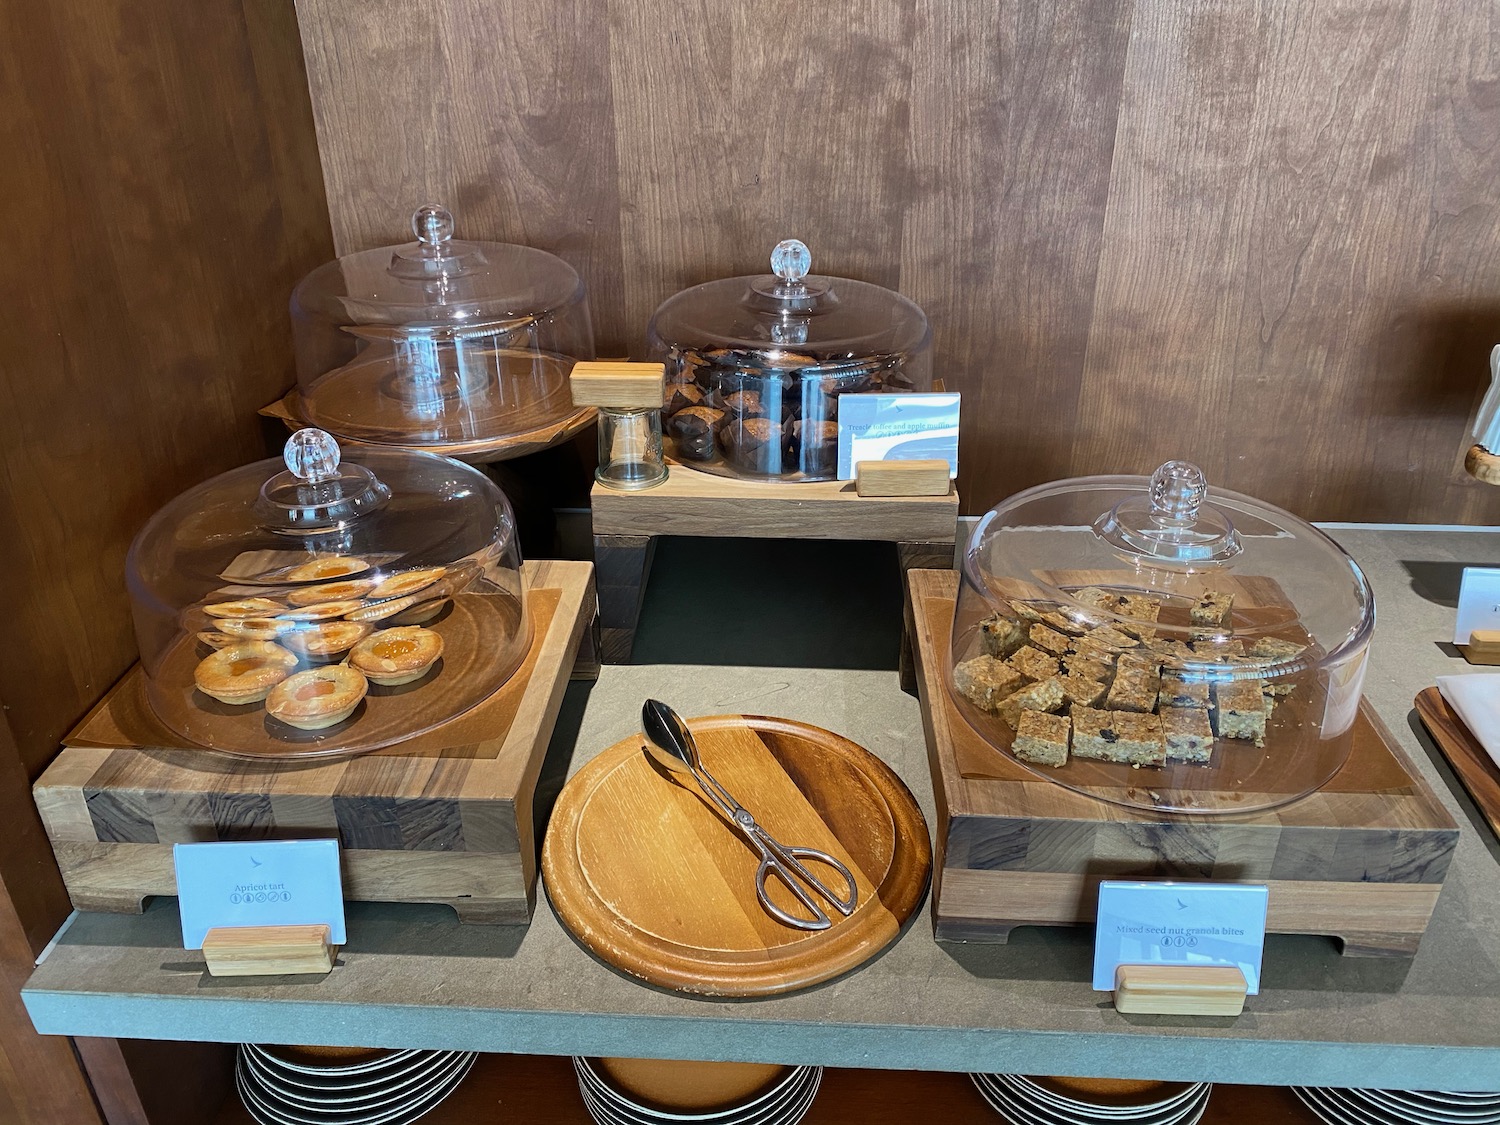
[[1483, 647], [902, 478], [614, 385], [1180, 990], [266, 951]]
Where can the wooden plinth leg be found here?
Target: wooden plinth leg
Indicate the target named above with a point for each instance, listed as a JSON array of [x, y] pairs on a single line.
[[586, 663], [916, 556], [622, 564], [490, 912], [1355, 944]]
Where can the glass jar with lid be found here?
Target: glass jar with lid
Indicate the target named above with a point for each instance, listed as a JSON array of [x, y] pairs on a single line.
[[756, 365], [439, 344], [327, 605], [1161, 644]]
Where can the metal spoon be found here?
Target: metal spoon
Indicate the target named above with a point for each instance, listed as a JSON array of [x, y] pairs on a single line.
[[671, 744]]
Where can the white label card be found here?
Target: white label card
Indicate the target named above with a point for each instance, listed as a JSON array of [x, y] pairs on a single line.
[[261, 883], [1179, 924], [902, 427], [1478, 602]]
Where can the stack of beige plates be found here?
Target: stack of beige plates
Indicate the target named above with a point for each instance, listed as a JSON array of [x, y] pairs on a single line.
[[345, 1086], [654, 1092], [1400, 1107], [1092, 1101]]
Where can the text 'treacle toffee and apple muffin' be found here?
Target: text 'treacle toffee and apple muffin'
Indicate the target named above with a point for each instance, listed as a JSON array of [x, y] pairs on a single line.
[[317, 698], [397, 656], [243, 673]]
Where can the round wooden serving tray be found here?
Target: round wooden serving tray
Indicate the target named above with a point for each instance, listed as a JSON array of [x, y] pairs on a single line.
[[654, 881]]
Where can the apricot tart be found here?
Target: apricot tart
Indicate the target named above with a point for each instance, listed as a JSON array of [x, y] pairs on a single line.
[[326, 569], [407, 582], [397, 656], [324, 639], [255, 628], [331, 592], [381, 610], [323, 611], [244, 672], [319, 697], [245, 607]]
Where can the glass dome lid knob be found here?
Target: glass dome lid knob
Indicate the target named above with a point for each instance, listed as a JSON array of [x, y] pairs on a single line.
[[1177, 492], [791, 260], [1171, 523], [312, 455], [433, 226], [789, 292], [436, 256], [319, 492]]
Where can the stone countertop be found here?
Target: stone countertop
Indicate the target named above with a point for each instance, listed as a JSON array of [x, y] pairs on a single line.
[[411, 976]]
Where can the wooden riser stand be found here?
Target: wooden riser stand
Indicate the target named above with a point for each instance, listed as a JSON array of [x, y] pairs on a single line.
[[1362, 860], [693, 503], [445, 817]]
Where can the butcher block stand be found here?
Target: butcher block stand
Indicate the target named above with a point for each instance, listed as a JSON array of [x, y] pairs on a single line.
[[1361, 860], [445, 817]]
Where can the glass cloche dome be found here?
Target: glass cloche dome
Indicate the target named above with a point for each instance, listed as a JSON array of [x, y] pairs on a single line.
[[439, 344], [328, 605], [755, 365], [1161, 644]]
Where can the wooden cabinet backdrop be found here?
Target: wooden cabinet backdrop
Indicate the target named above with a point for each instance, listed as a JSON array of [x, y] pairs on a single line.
[[1262, 234]]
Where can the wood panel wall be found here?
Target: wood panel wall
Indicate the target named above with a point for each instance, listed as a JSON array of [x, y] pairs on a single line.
[[160, 195], [1262, 234]]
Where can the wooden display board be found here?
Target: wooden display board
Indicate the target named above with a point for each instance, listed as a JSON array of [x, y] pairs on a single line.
[[444, 817], [689, 502], [1362, 859], [677, 906], [288, 410]]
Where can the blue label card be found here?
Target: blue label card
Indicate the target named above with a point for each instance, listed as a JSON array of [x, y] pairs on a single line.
[[1179, 924], [907, 427], [1478, 602], [265, 883]]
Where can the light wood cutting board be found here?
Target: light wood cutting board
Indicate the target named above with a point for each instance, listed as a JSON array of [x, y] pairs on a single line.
[[655, 882]]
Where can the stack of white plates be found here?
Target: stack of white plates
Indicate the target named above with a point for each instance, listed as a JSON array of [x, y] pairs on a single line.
[[300, 1086], [783, 1101], [1401, 1107], [1048, 1101]]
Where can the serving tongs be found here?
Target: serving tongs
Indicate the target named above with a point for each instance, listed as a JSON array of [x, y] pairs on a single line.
[[671, 744]]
